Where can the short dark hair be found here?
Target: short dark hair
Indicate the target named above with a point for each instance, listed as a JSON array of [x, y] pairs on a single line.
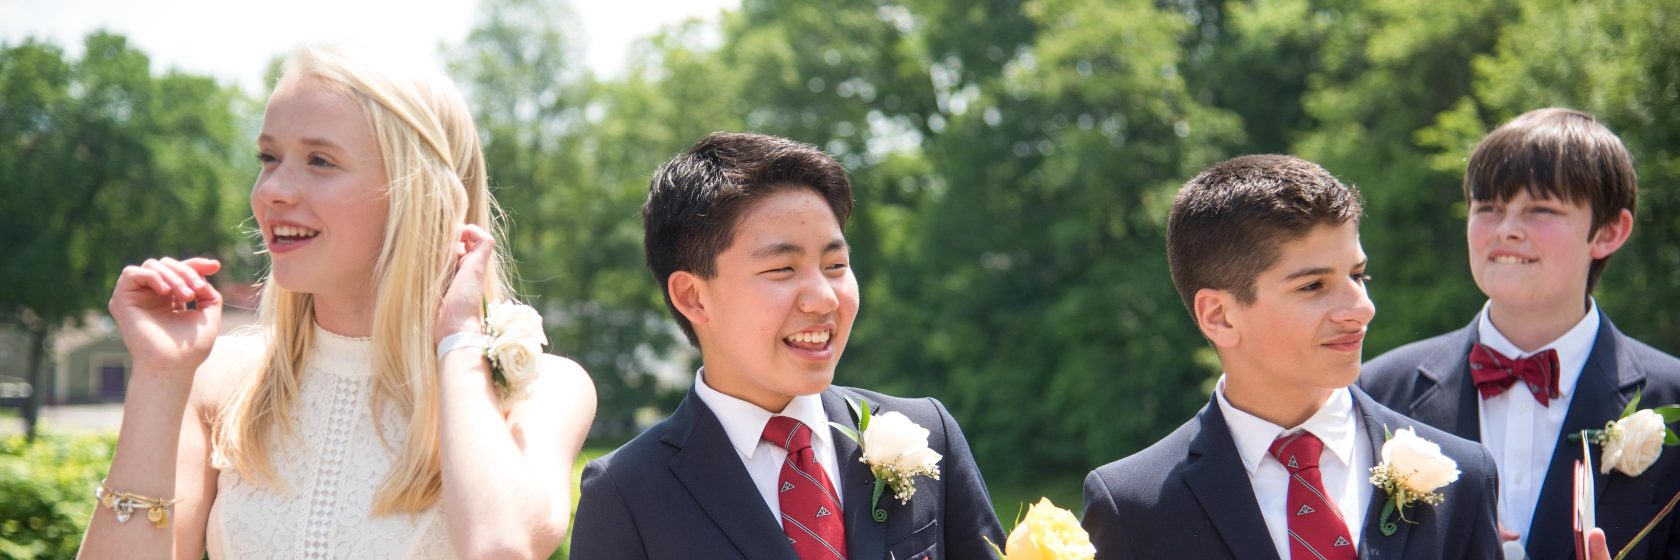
[[1561, 154], [696, 199], [1229, 222]]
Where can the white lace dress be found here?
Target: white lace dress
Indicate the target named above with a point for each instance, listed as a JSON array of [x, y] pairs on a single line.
[[331, 476]]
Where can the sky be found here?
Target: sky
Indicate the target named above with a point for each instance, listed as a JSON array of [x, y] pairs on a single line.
[[234, 40]]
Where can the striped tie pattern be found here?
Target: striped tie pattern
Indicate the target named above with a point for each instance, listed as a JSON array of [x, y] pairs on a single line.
[[1316, 528], [810, 511]]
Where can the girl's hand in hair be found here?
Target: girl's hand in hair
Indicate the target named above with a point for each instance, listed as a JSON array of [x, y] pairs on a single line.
[[168, 314], [462, 308]]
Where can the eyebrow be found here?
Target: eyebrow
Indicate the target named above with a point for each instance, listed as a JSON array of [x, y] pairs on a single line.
[[317, 142], [779, 249], [1320, 271]]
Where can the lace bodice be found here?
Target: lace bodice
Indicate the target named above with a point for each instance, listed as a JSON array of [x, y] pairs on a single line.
[[331, 474]]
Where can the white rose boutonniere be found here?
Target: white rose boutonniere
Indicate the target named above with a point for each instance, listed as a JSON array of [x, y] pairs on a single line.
[[896, 451], [516, 338], [1632, 443], [1412, 469]]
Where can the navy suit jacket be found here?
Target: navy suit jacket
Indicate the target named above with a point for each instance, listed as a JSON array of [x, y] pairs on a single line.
[[1430, 380], [679, 490], [1188, 496]]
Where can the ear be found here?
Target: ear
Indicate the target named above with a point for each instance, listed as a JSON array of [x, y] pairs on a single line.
[[687, 296], [1213, 317], [1612, 234]]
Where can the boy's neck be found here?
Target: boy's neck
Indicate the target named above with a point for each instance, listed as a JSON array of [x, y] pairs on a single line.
[[1532, 327], [722, 380], [1283, 405]]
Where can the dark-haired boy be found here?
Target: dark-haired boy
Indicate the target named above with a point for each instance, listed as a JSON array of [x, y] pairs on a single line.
[[1264, 251], [1551, 197], [743, 234]]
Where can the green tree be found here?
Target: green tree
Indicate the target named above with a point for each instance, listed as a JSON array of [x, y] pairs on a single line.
[[104, 164]]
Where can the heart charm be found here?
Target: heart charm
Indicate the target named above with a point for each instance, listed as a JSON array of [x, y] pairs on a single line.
[[124, 509]]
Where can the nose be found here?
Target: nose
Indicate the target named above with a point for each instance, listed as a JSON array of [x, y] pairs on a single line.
[[818, 295], [1358, 309], [274, 187], [1510, 226]]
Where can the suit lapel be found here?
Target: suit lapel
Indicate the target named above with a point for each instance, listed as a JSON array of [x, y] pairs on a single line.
[[1449, 401], [864, 537], [1608, 381], [709, 468], [1217, 478], [1374, 544]]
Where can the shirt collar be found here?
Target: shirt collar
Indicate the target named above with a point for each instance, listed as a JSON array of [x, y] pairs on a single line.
[[1333, 424], [744, 421], [1572, 348]]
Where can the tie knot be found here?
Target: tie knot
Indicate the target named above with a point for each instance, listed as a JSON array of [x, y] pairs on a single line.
[[1297, 451], [788, 434]]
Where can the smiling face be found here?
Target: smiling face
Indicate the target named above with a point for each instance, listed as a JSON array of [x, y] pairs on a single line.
[[774, 319], [320, 200], [1529, 252], [1306, 325]]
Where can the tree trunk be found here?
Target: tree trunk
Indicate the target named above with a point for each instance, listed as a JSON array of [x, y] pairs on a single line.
[[37, 378]]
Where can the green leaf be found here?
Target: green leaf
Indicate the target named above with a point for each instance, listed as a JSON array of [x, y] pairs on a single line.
[[848, 432], [863, 417], [1387, 435], [1669, 437], [1670, 413], [1632, 405]]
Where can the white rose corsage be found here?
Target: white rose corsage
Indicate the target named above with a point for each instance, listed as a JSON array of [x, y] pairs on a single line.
[[1412, 469], [515, 337], [896, 451], [1633, 442]]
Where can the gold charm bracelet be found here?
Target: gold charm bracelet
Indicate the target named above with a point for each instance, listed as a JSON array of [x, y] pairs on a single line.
[[124, 504]]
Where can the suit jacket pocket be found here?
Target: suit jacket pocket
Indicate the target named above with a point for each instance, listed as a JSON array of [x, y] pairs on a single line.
[[920, 544]]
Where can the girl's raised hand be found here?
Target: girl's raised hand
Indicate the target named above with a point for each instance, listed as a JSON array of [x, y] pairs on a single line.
[[168, 313]]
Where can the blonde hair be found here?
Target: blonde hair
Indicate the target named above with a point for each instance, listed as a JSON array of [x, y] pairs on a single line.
[[435, 165]]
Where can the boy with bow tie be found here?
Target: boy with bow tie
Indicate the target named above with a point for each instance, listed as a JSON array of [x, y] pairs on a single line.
[[1551, 197]]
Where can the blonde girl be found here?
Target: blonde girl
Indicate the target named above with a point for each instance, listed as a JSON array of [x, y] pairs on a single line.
[[336, 429]]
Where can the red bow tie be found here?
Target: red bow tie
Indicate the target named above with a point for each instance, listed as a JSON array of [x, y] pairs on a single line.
[[1494, 373]]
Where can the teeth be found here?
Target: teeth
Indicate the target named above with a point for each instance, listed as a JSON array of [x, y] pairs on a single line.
[[293, 231], [810, 337], [1508, 259]]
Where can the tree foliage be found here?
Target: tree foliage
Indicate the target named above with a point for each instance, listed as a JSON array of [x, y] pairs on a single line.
[[1013, 161]]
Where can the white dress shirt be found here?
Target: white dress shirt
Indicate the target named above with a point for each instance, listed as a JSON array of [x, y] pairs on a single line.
[[744, 423], [1345, 464], [1520, 432]]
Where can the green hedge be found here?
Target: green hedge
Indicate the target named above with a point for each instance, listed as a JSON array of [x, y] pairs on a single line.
[[46, 492]]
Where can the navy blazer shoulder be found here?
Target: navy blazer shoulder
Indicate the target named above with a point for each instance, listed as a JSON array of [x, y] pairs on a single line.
[[1429, 380], [679, 490], [1188, 496]]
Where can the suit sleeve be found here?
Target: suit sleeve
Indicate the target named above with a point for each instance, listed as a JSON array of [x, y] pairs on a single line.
[[969, 518], [1484, 538], [603, 527], [1102, 521]]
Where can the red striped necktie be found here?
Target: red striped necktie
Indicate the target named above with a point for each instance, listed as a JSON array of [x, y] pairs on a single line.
[[810, 510], [1316, 528]]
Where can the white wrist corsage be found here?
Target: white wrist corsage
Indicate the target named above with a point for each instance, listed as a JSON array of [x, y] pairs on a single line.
[[1412, 469], [514, 338], [896, 451]]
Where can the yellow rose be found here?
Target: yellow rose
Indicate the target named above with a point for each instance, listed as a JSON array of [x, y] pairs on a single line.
[[1049, 533]]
